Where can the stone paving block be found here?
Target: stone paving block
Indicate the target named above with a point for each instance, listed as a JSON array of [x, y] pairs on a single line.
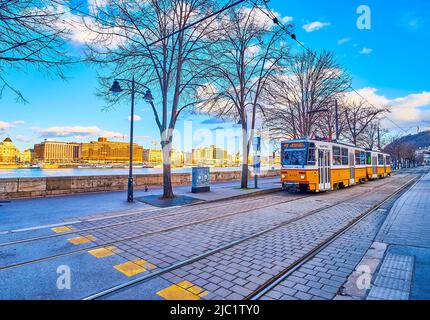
[[393, 283], [378, 293], [321, 293], [303, 296]]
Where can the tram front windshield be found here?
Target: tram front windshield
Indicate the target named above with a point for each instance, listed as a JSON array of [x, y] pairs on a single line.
[[294, 154]]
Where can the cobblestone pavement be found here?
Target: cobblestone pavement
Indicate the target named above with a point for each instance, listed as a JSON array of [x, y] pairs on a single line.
[[322, 277], [231, 221], [231, 273], [237, 271], [403, 272]]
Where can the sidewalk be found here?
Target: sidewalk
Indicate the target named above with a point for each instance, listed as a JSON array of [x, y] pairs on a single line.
[[404, 272], [29, 213]]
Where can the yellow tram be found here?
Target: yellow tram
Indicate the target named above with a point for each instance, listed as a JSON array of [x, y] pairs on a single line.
[[313, 165]]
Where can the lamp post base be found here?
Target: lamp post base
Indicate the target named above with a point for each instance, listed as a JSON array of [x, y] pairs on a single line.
[[130, 190]]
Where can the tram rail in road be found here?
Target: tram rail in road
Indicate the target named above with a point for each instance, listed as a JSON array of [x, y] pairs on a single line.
[[138, 281]]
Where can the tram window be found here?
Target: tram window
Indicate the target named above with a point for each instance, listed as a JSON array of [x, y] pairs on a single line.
[[357, 158], [337, 157], [388, 159], [380, 160], [369, 158], [312, 155], [294, 157], [363, 158], [345, 157]]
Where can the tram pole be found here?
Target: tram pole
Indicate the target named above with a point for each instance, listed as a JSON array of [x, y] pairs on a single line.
[[336, 108]]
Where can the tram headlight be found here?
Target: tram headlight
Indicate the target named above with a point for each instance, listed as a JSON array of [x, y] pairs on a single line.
[[284, 176], [303, 177]]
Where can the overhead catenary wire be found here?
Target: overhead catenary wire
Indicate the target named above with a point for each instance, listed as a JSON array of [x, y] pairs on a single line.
[[269, 13]]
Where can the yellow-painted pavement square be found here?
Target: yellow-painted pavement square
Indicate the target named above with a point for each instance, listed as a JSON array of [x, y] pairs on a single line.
[[62, 229], [102, 252], [80, 240], [129, 268], [183, 290], [175, 292]]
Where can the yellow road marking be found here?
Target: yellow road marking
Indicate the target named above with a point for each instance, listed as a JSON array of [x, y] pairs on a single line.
[[203, 294], [184, 290], [102, 252], [62, 229], [129, 268], [177, 293], [80, 240], [145, 264], [185, 284]]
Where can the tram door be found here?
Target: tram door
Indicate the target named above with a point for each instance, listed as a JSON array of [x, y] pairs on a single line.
[[324, 170], [375, 166], [352, 168]]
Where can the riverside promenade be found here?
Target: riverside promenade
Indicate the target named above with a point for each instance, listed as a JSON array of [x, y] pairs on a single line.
[[37, 212]]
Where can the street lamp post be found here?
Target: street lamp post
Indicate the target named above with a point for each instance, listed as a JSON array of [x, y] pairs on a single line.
[[116, 89]]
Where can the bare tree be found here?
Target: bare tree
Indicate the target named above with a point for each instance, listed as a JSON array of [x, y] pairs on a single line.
[[125, 39], [402, 152], [303, 98], [358, 116], [247, 53], [374, 136], [31, 35]]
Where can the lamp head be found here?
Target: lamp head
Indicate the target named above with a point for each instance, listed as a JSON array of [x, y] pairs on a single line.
[[116, 88], [148, 96]]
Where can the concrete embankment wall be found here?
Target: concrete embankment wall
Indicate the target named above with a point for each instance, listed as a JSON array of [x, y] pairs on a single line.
[[12, 188]]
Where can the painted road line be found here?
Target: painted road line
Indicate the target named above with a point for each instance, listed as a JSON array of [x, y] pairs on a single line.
[[184, 290], [131, 268], [81, 240], [103, 252]]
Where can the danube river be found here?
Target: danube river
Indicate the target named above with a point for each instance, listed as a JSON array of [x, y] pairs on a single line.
[[37, 173]]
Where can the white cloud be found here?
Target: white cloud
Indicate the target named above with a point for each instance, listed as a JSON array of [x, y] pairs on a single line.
[[76, 131], [5, 126], [316, 25], [366, 51], [22, 138], [135, 118], [409, 110], [343, 41], [287, 19]]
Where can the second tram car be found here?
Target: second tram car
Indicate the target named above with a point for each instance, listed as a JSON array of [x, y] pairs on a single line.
[[313, 165]]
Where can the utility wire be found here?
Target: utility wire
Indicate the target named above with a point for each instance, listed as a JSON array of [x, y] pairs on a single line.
[[293, 36]]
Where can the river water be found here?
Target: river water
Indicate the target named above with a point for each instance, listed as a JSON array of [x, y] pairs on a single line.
[[37, 173]]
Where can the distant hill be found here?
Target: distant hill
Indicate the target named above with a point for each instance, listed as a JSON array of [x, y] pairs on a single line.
[[419, 140]]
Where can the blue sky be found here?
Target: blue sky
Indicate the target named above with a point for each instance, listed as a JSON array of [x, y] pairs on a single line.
[[389, 64]]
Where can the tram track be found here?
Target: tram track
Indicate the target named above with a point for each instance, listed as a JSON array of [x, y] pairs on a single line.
[[124, 239], [152, 275], [101, 227], [272, 283], [161, 216], [136, 237]]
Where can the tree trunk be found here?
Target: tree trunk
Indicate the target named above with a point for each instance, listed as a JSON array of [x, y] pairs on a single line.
[[167, 171]]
